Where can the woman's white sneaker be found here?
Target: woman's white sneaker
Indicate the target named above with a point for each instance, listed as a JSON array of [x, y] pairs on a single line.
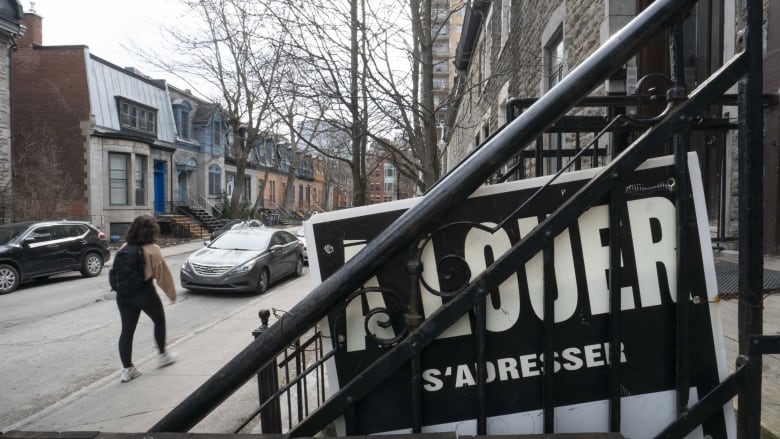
[[166, 359], [129, 373]]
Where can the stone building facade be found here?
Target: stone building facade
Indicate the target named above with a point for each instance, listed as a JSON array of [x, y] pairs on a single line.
[[10, 28], [516, 50]]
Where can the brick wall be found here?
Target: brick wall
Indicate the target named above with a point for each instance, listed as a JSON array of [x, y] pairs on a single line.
[[51, 103]]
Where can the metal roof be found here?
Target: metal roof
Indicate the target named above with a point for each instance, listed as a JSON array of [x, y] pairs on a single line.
[[107, 82]]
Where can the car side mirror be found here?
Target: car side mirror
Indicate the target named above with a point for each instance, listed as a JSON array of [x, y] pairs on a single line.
[[275, 248]]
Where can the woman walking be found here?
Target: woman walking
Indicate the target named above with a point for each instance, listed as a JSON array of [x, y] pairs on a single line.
[[143, 232]]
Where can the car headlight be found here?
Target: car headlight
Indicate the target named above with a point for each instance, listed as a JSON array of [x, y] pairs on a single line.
[[186, 265], [243, 268]]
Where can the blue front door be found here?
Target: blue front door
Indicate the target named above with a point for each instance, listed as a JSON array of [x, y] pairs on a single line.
[[159, 187]]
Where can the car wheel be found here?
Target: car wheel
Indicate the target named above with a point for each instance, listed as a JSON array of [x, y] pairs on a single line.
[[91, 265], [9, 279], [299, 267], [262, 281]]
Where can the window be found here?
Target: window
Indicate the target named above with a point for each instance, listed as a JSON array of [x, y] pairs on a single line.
[[389, 187], [506, 19], [215, 180], [553, 60], [441, 49], [246, 194], [230, 183], [272, 191], [389, 170], [487, 51], [300, 195], [182, 113], [137, 117], [217, 133], [140, 180], [118, 167]]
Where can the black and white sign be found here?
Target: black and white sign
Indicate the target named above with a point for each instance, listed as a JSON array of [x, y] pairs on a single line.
[[514, 341]]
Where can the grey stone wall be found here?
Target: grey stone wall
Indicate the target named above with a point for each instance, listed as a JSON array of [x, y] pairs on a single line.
[[5, 131], [517, 68]]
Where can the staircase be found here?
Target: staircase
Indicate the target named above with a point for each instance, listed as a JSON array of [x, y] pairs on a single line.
[[185, 226], [204, 218]]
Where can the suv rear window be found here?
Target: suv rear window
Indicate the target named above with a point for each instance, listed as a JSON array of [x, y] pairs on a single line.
[[75, 230]]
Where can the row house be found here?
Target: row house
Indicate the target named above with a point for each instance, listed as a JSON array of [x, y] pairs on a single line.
[[99, 142], [205, 165], [511, 52], [202, 136], [268, 174]]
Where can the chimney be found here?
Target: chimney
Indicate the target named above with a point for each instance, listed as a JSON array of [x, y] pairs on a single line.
[[135, 71], [34, 33]]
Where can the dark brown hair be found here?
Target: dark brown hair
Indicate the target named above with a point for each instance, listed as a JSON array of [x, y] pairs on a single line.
[[143, 230]]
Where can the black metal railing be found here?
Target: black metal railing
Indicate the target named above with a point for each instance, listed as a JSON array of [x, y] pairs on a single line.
[[424, 220]]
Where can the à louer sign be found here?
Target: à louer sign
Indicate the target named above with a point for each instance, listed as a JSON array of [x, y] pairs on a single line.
[[514, 340]]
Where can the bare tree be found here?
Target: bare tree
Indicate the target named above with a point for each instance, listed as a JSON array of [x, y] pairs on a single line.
[[364, 67], [37, 163], [236, 51], [373, 62]]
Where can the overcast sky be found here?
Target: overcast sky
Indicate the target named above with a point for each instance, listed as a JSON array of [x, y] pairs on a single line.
[[104, 25]]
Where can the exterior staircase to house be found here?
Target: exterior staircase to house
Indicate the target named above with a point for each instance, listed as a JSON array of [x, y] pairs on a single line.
[[183, 226], [203, 217]]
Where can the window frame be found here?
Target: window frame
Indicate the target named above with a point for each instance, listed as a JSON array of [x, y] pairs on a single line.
[[506, 21], [136, 117], [118, 187], [139, 180], [554, 70], [215, 180]]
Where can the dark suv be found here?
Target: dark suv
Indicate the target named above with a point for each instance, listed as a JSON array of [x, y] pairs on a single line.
[[36, 250]]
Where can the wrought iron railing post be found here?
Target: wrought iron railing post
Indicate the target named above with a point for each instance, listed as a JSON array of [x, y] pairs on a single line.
[[267, 386], [550, 288], [413, 320], [615, 308], [676, 94], [751, 226]]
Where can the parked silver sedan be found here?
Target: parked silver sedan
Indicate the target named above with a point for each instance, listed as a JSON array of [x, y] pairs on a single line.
[[243, 260]]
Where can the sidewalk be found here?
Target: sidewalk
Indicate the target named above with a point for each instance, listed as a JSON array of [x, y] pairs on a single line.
[[109, 405], [770, 392]]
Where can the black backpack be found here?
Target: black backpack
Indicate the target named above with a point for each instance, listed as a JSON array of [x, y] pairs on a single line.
[[126, 275]]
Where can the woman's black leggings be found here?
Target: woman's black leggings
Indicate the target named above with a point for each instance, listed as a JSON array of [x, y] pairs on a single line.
[[130, 310]]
